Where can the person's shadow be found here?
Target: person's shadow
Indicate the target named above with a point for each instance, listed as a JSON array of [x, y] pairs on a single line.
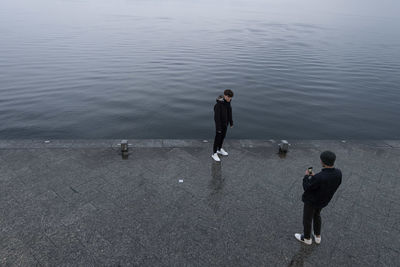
[[302, 254], [215, 185]]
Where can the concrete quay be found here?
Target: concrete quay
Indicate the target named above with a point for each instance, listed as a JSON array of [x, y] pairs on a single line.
[[80, 203]]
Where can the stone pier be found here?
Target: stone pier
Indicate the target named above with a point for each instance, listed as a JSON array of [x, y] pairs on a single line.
[[81, 203]]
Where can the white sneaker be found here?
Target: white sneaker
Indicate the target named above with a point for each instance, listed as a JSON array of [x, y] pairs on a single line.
[[317, 239], [222, 152], [301, 238], [215, 157]]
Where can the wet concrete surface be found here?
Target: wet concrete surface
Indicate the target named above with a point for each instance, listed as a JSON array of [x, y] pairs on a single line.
[[80, 203]]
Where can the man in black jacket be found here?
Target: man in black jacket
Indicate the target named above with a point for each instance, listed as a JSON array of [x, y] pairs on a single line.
[[318, 191], [222, 117]]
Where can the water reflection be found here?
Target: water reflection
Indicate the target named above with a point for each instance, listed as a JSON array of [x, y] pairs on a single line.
[[125, 156], [216, 186], [282, 155], [302, 254]]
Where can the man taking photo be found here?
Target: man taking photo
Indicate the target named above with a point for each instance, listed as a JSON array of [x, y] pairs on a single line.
[[318, 191]]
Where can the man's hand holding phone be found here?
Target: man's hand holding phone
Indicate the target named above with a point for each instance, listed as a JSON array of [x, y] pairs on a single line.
[[309, 171]]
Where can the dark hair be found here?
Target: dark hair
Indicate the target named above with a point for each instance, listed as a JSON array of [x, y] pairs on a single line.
[[328, 158], [228, 92]]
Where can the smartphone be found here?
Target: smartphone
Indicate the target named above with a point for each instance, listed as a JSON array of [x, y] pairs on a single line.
[[310, 170]]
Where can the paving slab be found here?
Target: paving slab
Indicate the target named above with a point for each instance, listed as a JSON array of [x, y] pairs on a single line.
[[167, 203]]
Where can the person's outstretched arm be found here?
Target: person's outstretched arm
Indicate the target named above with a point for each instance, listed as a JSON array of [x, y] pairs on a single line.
[[230, 117]]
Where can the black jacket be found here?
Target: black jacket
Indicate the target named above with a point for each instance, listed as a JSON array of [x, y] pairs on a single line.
[[320, 188], [222, 113]]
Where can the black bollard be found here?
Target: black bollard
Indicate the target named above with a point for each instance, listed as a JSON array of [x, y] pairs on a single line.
[[283, 146]]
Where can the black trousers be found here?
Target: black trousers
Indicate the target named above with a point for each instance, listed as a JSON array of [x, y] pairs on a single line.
[[219, 139], [311, 215]]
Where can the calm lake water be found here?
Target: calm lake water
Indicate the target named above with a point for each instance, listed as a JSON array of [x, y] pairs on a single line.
[[152, 69]]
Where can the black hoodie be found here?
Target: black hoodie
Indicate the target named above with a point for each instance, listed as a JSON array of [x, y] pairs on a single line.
[[222, 113]]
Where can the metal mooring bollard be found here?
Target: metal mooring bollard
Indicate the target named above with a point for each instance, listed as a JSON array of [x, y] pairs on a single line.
[[124, 146], [284, 146]]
